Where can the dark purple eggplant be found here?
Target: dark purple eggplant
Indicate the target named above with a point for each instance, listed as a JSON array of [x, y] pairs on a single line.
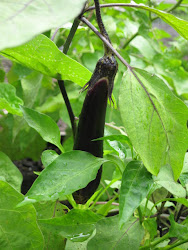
[[91, 126], [92, 117]]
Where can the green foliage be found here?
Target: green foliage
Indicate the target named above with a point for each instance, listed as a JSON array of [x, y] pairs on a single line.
[[33, 18], [71, 171], [48, 156], [155, 108], [18, 225], [136, 183], [108, 236], [77, 225], [9, 172], [48, 59], [44, 125], [140, 203], [9, 100], [181, 26]]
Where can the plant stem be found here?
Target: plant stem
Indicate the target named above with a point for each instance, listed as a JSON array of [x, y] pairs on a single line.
[[71, 35], [174, 6], [156, 242], [105, 202], [55, 208], [130, 40], [103, 191], [84, 20], [68, 105], [61, 82], [140, 215], [120, 129], [71, 201], [101, 25], [55, 33], [176, 244], [132, 6]]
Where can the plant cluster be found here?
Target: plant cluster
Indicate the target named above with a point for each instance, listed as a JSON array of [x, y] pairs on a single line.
[[117, 176]]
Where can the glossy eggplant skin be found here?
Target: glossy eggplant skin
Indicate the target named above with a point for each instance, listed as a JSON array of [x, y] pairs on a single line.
[[91, 126]]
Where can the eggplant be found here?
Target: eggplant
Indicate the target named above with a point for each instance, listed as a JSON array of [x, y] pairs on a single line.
[[92, 117], [91, 126]]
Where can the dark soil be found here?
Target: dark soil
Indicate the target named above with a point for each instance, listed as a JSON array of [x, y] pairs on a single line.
[[27, 168]]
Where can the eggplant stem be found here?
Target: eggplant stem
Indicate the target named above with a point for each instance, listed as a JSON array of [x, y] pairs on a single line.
[[61, 83]]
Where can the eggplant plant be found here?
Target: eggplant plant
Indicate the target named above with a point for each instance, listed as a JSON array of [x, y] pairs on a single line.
[[112, 144]]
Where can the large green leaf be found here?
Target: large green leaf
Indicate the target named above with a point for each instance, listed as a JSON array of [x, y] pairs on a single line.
[[22, 21], [9, 100], [136, 182], [27, 143], [42, 54], [9, 172], [66, 174], [44, 125], [109, 236], [155, 120], [180, 25], [18, 226], [77, 225]]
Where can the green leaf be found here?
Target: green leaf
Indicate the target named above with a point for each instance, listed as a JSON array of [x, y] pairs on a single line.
[[9, 99], [69, 172], [172, 68], [44, 125], [165, 179], [177, 230], [184, 174], [9, 172], [30, 86], [49, 209], [27, 143], [108, 236], [19, 229], [77, 225], [42, 54], [53, 240], [48, 156], [33, 18], [144, 47], [136, 182], [180, 25], [150, 226], [155, 121]]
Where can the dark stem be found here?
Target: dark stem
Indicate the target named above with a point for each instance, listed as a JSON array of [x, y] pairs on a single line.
[[132, 6], [101, 25], [68, 105], [84, 20], [61, 82], [71, 35]]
